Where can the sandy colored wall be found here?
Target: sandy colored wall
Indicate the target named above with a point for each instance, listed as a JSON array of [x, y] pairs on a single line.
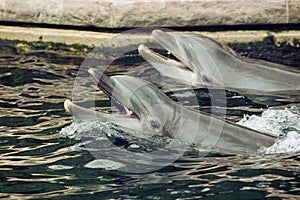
[[145, 13]]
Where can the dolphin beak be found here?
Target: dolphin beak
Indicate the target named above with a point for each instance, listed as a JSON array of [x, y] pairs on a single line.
[[163, 38], [170, 43], [102, 81], [107, 85], [155, 58], [166, 66]]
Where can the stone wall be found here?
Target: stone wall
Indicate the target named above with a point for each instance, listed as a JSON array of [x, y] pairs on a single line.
[[145, 13]]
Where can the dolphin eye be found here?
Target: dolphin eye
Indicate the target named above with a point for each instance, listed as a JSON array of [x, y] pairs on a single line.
[[155, 125]]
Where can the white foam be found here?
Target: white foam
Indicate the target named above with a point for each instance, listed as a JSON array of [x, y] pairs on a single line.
[[78, 128], [104, 164], [185, 94], [288, 144], [60, 167], [284, 123]]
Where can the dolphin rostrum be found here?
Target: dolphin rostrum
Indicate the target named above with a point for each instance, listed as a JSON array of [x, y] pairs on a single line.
[[152, 112], [206, 62]]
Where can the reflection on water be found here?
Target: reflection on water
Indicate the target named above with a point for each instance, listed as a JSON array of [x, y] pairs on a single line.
[[37, 162]]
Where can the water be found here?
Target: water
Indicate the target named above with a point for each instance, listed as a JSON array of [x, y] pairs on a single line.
[[43, 157]]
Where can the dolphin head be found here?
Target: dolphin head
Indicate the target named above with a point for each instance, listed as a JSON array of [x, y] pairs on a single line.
[[198, 56], [206, 62], [144, 107]]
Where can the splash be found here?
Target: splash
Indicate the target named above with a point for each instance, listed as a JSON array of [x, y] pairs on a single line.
[[79, 128], [283, 123], [91, 130]]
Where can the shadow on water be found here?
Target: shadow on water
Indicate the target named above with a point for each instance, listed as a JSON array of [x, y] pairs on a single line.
[[38, 163]]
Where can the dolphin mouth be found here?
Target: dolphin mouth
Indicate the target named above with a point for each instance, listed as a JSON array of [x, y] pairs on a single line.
[[163, 39], [107, 85], [179, 67], [150, 54]]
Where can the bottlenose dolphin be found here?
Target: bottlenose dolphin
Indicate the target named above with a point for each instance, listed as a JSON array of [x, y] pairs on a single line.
[[149, 110], [206, 62]]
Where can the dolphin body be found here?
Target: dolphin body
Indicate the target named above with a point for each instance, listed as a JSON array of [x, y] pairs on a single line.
[[152, 112], [206, 62]]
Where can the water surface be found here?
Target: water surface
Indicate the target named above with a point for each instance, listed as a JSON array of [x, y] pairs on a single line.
[[38, 162]]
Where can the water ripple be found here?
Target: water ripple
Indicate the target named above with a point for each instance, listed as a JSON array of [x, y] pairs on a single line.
[[36, 162]]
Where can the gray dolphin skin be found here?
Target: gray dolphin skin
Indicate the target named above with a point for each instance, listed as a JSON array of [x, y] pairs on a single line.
[[206, 62], [152, 112]]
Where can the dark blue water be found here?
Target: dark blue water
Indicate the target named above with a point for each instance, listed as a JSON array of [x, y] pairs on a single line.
[[37, 162]]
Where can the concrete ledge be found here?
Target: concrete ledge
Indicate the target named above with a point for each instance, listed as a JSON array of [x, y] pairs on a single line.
[[145, 13], [97, 38], [53, 35]]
